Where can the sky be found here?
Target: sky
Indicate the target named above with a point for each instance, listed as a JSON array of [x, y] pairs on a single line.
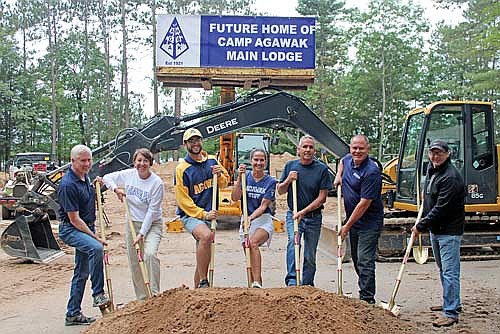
[[192, 98]]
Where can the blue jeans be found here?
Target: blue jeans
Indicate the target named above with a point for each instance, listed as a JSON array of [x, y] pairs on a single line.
[[310, 228], [446, 249], [88, 259], [364, 252]]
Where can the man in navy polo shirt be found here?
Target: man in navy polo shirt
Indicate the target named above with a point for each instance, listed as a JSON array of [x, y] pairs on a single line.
[[313, 183], [361, 187], [76, 196]]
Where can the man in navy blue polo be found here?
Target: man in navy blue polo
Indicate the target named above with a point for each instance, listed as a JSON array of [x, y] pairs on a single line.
[[76, 196], [361, 186], [313, 183]]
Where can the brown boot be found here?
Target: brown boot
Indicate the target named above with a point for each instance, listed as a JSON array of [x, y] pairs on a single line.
[[444, 322], [440, 308]]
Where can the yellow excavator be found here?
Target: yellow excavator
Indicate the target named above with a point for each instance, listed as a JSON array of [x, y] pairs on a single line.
[[468, 127]]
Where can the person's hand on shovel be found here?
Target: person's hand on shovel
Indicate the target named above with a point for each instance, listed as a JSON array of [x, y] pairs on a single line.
[[216, 170], [415, 229], [298, 215], [212, 214], [138, 238], [344, 230], [120, 193]]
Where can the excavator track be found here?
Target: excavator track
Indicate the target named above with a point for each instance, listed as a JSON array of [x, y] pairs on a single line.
[[480, 242]]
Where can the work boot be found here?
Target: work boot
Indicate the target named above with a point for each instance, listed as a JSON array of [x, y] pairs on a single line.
[[100, 300], [203, 284], [444, 322], [440, 308], [78, 319]]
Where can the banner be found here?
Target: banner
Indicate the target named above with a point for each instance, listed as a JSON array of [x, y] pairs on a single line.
[[236, 41]]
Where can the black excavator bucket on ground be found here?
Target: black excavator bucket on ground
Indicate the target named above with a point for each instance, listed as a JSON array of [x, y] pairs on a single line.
[[31, 237]]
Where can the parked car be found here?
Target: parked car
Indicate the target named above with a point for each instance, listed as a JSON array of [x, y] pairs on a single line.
[[34, 161]]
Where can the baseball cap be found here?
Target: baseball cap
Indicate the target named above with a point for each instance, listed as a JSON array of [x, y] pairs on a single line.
[[440, 145], [191, 132]]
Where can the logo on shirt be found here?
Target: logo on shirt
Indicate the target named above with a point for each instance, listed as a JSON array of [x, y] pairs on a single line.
[[201, 187]]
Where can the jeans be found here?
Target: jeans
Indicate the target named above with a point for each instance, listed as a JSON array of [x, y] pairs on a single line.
[[310, 228], [364, 252], [89, 256], [446, 249], [149, 250]]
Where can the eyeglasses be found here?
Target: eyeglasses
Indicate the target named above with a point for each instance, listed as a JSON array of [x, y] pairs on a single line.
[[194, 140]]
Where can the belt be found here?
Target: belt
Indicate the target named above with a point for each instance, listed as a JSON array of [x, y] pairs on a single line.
[[313, 214], [67, 222]]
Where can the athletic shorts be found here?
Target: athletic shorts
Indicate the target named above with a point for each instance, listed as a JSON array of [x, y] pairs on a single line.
[[190, 223], [265, 222]]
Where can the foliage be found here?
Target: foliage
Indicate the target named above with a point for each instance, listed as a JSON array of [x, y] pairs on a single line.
[[371, 66]]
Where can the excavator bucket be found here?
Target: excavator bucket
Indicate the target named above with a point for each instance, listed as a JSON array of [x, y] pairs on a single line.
[[31, 237]]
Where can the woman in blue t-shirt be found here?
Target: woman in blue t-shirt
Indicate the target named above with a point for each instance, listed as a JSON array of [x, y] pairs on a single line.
[[260, 190]]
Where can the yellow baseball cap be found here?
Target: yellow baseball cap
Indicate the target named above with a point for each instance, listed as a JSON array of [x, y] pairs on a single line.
[[191, 132]]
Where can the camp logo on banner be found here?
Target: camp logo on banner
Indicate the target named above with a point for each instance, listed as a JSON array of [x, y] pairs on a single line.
[[174, 43], [236, 41]]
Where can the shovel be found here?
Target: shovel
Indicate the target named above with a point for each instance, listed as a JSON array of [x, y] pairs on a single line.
[[340, 291], [245, 228], [105, 309], [140, 259], [296, 240], [391, 306], [213, 226], [420, 253]]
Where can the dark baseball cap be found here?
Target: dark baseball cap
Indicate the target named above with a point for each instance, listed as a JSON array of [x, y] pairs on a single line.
[[440, 145]]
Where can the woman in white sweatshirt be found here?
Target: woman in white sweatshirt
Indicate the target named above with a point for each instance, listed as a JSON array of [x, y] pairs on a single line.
[[144, 192]]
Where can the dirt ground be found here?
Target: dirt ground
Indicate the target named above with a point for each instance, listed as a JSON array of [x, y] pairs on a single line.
[[33, 296]]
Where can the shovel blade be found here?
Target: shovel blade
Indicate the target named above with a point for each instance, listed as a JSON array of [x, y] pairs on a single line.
[[394, 310], [420, 254]]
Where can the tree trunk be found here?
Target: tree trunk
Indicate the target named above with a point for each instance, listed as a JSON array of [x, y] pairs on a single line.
[[384, 103], [53, 83], [87, 110], [177, 112], [126, 112], [155, 80], [105, 38]]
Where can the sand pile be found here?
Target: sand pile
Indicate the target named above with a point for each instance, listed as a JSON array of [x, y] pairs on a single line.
[[236, 310]]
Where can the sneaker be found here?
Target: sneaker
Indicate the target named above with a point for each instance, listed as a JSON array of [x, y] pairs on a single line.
[[100, 300], [444, 322], [440, 308], [78, 319], [256, 285], [203, 284]]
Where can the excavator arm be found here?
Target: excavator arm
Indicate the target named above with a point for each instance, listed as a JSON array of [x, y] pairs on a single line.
[[263, 108]]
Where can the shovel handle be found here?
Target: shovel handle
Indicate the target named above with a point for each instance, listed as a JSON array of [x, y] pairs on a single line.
[[100, 218], [246, 245], [140, 259], [340, 282], [296, 232], [405, 260], [213, 226]]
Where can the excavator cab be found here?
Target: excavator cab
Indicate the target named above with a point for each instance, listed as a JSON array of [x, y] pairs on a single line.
[[468, 129]]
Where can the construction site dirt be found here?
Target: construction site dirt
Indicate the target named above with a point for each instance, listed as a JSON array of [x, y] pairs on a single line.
[[33, 296]]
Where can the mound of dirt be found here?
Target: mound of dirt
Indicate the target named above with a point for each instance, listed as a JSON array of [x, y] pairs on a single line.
[[236, 310]]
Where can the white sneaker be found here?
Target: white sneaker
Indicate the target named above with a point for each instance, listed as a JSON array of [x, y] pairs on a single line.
[[256, 285]]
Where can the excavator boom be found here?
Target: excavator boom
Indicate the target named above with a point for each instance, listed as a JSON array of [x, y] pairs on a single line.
[[265, 108]]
